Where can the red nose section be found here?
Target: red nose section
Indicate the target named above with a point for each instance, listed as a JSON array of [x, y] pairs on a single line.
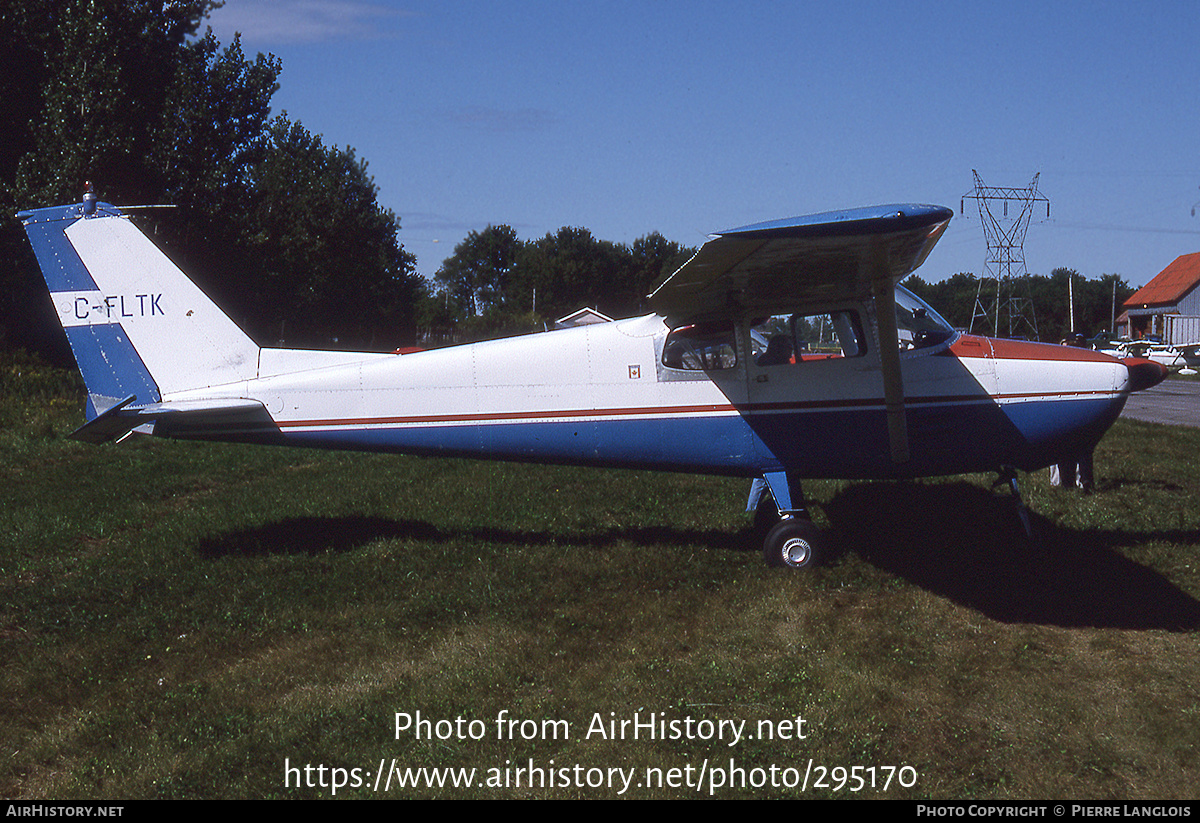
[[1144, 373]]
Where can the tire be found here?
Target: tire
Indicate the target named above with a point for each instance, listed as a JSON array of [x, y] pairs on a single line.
[[793, 544]]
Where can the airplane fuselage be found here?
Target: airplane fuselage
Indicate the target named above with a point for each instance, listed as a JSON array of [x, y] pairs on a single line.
[[602, 395]]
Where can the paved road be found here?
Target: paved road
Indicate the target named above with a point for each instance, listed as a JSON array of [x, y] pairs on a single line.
[[1173, 401]]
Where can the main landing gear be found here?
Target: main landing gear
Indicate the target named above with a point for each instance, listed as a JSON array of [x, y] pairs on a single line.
[[793, 543], [791, 539]]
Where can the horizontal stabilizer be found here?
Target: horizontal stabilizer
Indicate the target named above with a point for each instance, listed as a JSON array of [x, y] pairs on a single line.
[[109, 425], [200, 419]]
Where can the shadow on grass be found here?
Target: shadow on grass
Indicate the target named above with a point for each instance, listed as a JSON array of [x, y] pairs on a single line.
[[313, 535], [316, 535], [957, 540], [964, 543]]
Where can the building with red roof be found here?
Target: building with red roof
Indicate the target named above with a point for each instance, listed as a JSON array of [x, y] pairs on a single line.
[[1169, 305]]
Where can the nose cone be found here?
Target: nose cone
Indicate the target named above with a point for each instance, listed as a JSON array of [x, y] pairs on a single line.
[[1144, 373]]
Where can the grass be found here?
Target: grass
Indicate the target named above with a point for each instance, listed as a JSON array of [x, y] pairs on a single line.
[[181, 620]]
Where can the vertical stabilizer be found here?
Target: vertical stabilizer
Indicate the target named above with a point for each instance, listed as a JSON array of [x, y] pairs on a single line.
[[136, 324]]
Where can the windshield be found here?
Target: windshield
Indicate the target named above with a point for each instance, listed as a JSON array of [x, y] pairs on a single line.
[[917, 324]]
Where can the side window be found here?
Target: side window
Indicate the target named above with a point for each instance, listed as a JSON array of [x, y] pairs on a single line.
[[798, 338], [702, 347]]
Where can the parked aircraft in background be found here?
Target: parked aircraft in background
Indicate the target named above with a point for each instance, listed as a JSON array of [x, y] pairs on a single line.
[[781, 351], [1185, 358]]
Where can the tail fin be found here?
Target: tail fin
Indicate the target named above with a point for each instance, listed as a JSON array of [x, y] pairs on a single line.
[[138, 327]]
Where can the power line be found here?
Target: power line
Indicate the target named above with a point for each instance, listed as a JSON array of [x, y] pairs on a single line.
[[1056, 224]]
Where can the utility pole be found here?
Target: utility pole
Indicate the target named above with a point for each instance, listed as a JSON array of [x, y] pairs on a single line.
[[1005, 264], [1112, 326], [1071, 298]]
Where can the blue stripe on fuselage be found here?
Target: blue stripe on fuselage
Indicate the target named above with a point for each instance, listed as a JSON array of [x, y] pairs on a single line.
[[825, 443]]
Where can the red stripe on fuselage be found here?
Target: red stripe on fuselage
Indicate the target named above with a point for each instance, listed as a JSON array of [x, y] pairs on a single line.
[[547, 416], [484, 417], [969, 345]]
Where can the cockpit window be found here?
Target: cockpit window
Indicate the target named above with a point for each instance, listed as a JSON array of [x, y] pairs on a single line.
[[701, 347], [798, 338], [918, 325]]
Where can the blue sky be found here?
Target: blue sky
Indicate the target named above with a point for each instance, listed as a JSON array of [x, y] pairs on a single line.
[[691, 117]]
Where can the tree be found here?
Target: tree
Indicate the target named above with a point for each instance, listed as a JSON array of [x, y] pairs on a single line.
[[285, 232], [331, 265], [952, 298], [1092, 302], [101, 77], [571, 269], [476, 277], [495, 282], [654, 258], [214, 134], [84, 85]]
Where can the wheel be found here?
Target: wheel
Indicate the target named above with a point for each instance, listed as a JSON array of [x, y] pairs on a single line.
[[793, 543]]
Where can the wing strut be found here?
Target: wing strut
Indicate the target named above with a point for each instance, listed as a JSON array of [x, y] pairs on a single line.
[[883, 289]]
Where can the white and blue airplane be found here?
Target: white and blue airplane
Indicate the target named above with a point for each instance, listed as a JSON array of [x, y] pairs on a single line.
[[780, 351]]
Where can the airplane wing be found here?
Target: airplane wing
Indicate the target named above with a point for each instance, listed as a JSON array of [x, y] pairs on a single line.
[[768, 267], [813, 259]]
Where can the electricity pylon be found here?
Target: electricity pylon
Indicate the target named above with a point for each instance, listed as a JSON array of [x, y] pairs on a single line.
[[1005, 264]]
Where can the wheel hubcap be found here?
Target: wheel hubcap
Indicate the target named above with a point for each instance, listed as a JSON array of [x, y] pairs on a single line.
[[796, 551]]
